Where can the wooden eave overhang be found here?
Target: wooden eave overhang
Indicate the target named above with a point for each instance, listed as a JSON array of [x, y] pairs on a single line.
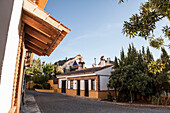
[[43, 33]]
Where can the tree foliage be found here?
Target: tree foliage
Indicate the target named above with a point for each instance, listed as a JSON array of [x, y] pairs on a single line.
[[40, 72], [144, 23], [136, 72], [48, 69]]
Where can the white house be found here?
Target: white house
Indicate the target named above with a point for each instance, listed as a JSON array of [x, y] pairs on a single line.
[[90, 82]]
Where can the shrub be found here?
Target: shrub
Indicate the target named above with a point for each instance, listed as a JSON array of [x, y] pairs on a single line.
[[109, 97], [123, 96], [37, 87], [46, 85], [155, 100], [160, 100]]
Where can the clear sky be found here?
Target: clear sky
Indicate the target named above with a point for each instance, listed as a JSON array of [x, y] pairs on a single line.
[[96, 29]]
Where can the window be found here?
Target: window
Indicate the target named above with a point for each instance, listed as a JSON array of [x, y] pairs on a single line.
[[93, 84], [71, 84]]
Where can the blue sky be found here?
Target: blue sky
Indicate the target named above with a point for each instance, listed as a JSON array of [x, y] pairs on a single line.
[[96, 29]]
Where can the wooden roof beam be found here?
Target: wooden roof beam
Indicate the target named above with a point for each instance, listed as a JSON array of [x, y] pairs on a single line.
[[38, 26], [34, 51], [37, 35], [30, 17], [28, 44], [35, 42]]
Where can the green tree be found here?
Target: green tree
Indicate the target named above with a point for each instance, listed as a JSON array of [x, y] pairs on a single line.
[[39, 71], [48, 69], [115, 77], [130, 73], [35, 69], [134, 80], [164, 76], [144, 23]]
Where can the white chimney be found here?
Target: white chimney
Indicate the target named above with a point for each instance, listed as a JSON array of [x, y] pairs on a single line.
[[102, 60]]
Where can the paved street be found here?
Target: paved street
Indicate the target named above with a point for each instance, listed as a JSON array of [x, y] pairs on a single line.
[[58, 103]]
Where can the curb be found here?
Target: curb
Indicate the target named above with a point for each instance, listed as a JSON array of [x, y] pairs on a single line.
[[138, 105], [119, 103]]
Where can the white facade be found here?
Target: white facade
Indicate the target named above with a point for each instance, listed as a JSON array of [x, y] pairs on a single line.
[[74, 84], [103, 82], [81, 84], [60, 83], [69, 84], [106, 71], [89, 84], [82, 87], [103, 75], [9, 61]]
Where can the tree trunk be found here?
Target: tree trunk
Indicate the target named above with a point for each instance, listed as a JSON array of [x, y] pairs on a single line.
[[131, 97], [115, 94]]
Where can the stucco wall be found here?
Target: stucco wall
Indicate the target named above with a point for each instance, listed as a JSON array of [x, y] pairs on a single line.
[[106, 71], [60, 83], [103, 82], [9, 29], [71, 92], [53, 86], [74, 84], [93, 94], [103, 94], [5, 12], [81, 84]]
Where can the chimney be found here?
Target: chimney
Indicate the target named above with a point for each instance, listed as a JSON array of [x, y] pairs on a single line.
[[107, 60], [94, 62], [102, 60]]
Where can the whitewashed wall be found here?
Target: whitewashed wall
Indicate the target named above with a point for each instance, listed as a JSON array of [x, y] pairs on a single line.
[[74, 84], [89, 84], [106, 71], [82, 87], [95, 85], [68, 84], [60, 83], [103, 82], [8, 69], [81, 84]]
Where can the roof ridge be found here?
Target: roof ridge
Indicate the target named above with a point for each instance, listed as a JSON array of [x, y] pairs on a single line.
[[87, 70]]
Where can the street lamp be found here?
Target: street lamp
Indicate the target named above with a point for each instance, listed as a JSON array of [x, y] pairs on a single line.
[[28, 54]]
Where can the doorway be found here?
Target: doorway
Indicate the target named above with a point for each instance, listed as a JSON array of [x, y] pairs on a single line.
[[78, 87], [63, 86], [86, 88]]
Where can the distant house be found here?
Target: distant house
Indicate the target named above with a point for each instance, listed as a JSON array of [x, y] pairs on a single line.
[[90, 82], [103, 62], [75, 63]]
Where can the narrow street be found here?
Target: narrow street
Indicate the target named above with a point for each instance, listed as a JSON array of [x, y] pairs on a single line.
[[58, 103]]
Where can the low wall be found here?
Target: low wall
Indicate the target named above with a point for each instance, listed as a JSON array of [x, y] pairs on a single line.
[[93, 94], [82, 92], [59, 90], [54, 86], [71, 91], [46, 90], [103, 94], [29, 85]]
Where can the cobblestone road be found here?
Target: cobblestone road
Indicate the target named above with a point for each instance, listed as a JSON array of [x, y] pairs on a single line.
[[58, 103]]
